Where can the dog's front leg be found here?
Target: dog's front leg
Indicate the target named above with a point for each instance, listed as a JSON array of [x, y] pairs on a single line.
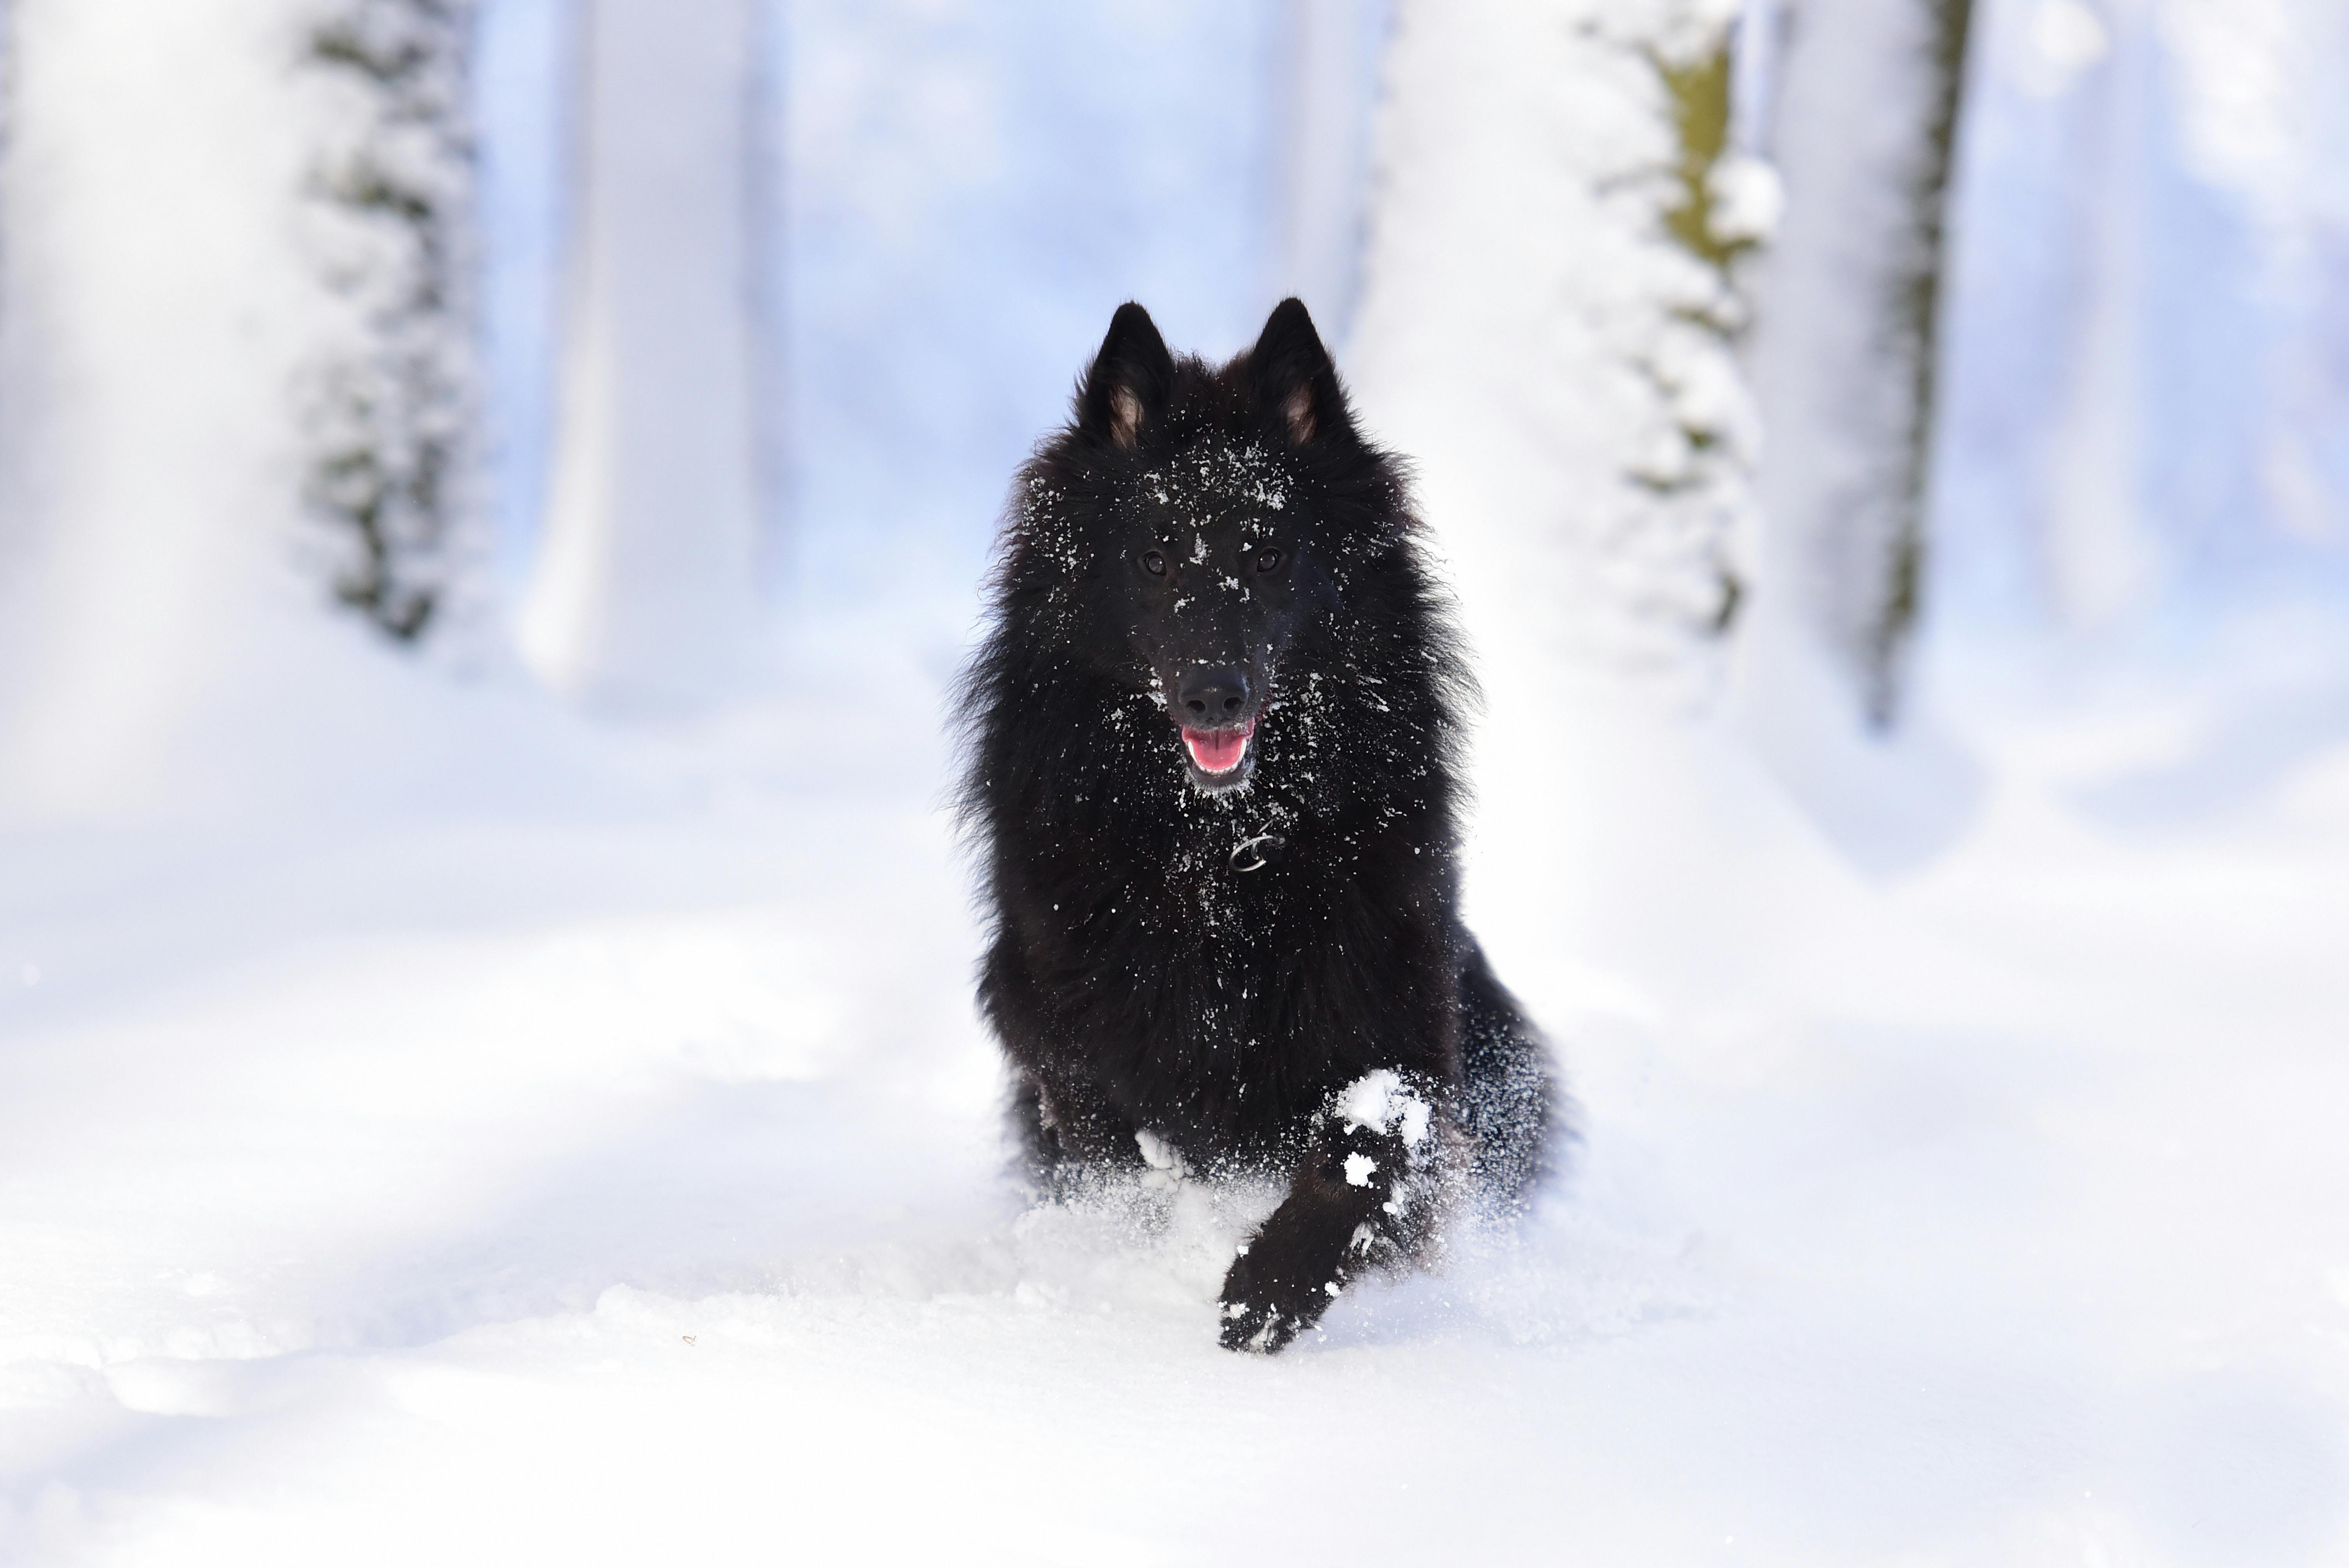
[[1357, 1196]]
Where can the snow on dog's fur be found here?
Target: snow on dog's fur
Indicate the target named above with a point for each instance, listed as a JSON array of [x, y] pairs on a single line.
[[1214, 740]]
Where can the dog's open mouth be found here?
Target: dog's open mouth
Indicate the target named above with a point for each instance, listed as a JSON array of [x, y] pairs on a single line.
[[1218, 753]]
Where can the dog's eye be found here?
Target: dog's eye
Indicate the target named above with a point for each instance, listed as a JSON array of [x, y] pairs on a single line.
[[1265, 559], [1154, 563]]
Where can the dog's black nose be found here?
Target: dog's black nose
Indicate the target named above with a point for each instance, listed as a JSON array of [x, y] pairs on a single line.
[[1212, 696]]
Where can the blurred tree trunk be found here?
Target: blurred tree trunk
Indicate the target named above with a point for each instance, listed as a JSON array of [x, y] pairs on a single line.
[[1330, 58], [7, 101], [1847, 352], [644, 594], [160, 304], [391, 404]]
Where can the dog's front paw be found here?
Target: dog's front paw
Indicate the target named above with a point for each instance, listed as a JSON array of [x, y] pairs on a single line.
[[1258, 1328], [1265, 1306]]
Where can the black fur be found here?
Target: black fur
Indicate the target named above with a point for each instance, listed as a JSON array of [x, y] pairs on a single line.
[[1215, 966]]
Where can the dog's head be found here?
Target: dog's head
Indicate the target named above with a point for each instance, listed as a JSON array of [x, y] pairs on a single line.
[[1228, 505]]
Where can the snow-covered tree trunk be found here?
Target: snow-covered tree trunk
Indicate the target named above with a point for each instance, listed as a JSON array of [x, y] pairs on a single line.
[[645, 594], [1865, 100], [1547, 322], [1331, 55], [391, 403], [210, 224], [8, 98], [158, 308], [1548, 330], [1863, 97]]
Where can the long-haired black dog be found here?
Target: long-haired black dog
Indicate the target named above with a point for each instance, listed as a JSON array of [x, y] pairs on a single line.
[[1214, 737]]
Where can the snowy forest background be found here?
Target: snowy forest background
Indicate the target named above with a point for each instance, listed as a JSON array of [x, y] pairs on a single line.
[[492, 493]]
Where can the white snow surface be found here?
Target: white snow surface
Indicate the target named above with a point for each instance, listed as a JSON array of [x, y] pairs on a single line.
[[607, 1164], [438, 1127]]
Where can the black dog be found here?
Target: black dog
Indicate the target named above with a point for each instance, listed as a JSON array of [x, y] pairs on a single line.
[[1213, 736]]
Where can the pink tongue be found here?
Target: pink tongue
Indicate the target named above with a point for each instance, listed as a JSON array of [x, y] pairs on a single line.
[[1217, 751]]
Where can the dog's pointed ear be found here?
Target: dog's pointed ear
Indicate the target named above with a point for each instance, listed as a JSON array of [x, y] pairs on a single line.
[[1125, 391], [1296, 381]]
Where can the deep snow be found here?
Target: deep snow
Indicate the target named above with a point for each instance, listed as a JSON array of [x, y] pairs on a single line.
[[434, 1126], [609, 1168]]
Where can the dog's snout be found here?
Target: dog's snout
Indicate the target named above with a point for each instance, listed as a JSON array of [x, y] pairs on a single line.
[[1214, 696]]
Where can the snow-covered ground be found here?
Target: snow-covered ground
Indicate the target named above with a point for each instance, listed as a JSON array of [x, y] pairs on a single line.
[[436, 1126], [603, 1166]]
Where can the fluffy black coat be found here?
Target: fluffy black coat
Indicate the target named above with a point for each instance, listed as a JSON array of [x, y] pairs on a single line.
[[1213, 738]]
